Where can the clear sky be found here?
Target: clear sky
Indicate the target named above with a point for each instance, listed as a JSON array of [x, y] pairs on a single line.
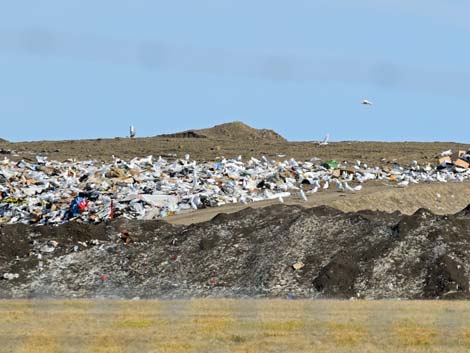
[[87, 69]]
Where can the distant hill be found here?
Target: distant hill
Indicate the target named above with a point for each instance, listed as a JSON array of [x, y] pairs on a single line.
[[3, 140], [232, 131]]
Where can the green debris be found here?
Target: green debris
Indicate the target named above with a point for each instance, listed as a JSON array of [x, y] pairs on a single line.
[[331, 164]]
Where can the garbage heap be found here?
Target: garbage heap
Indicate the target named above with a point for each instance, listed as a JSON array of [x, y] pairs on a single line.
[[52, 192]]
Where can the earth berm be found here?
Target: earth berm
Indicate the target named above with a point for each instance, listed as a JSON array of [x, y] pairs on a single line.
[[367, 254]]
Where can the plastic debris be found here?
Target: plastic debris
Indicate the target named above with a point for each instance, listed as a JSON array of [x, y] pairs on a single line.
[[332, 164], [126, 237], [52, 192], [10, 276], [298, 265]]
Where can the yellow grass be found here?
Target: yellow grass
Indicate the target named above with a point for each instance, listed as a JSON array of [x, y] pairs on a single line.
[[214, 325]]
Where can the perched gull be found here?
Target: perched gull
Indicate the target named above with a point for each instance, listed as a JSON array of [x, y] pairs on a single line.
[[312, 191], [366, 102], [349, 188], [325, 140], [446, 153], [302, 195], [440, 178], [339, 185], [132, 131], [403, 184]]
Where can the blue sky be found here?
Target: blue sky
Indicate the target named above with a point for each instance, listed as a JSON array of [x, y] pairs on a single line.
[[87, 69]]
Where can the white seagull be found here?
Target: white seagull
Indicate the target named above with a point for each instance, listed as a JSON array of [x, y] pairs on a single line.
[[446, 153], [132, 131], [339, 185], [325, 140], [353, 189], [403, 184], [366, 102], [312, 191]]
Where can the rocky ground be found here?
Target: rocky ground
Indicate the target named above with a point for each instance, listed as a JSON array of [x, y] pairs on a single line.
[[253, 252]]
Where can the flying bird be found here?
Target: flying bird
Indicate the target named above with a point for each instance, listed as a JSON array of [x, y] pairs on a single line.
[[132, 131], [366, 102]]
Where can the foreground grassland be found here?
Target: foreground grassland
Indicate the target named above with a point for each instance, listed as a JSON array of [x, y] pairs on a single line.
[[234, 326]]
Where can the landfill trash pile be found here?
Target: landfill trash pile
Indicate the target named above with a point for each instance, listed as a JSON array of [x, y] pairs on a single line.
[[282, 251], [52, 192], [5, 151]]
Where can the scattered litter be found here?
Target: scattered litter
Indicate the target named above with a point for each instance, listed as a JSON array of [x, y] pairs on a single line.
[[298, 265], [52, 192], [332, 164], [10, 276], [125, 236], [4, 151]]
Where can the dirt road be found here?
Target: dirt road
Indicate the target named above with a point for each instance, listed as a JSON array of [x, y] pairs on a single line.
[[442, 198]]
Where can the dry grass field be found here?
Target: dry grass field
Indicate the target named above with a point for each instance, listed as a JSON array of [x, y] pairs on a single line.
[[210, 325]]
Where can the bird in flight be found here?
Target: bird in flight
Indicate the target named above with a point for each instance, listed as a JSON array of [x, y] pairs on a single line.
[[367, 102]]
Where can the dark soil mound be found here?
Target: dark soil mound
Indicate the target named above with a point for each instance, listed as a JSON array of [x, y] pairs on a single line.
[[230, 131], [249, 253], [184, 134]]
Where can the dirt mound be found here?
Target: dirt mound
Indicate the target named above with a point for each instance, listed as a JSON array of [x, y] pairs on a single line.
[[230, 131], [184, 134], [366, 254]]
